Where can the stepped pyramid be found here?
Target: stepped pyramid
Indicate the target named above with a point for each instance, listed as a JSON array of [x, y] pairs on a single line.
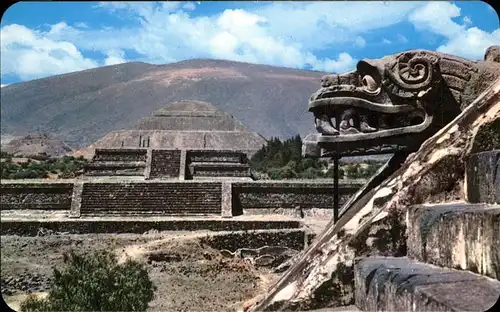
[[185, 125]]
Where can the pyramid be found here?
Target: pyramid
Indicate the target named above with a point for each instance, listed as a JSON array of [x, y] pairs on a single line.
[[189, 125]]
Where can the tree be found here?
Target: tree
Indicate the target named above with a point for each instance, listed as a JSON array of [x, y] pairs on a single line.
[[283, 160], [96, 282]]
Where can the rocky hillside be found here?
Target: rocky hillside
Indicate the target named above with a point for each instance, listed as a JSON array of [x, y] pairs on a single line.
[[35, 144], [82, 107]]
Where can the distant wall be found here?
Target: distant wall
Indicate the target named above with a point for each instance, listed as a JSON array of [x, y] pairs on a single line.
[[165, 164], [227, 156], [155, 198], [120, 154], [290, 198], [117, 162], [177, 197], [40, 196]]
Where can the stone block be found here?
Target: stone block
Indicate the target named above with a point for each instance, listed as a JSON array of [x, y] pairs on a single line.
[[462, 236], [483, 177], [76, 201], [226, 204], [401, 284], [310, 146]]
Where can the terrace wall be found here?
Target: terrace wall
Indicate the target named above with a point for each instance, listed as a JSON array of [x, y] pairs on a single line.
[[36, 196], [155, 198], [290, 198]]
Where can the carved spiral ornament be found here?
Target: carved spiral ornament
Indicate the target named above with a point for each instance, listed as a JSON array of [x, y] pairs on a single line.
[[413, 72]]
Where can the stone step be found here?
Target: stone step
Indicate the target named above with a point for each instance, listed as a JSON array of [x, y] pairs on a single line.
[[115, 164], [401, 284], [216, 169], [461, 236], [219, 165], [150, 213], [106, 174], [483, 177], [118, 225], [217, 156]]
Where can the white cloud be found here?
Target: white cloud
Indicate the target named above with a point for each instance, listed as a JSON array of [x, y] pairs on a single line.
[[437, 17], [114, 57], [360, 42], [284, 34], [467, 20], [190, 6], [402, 38], [81, 25], [31, 54], [471, 43], [3, 85], [462, 41]]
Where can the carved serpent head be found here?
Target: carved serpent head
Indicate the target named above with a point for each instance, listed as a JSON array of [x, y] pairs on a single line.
[[413, 92]]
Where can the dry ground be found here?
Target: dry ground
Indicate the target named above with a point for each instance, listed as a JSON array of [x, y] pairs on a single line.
[[189, 276]]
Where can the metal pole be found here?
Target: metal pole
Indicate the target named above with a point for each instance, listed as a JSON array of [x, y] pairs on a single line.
[[336, 176], [335, 188]]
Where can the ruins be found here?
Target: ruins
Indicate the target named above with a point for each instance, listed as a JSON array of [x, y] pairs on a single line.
[[187, 161], [412, 238]]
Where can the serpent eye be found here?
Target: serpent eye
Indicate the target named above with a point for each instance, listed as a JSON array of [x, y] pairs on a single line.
[[369, 83]]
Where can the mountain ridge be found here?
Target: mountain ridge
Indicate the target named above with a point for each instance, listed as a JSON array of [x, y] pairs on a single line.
[[81, 107]]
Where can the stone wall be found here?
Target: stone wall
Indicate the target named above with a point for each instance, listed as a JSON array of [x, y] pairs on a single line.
[[101, 168], [158, 198], [217, 163], [483, 177], [291, 198], [216, 156], [165, 164], [36, 196], [117, 162], [120, 154], [177, 197]]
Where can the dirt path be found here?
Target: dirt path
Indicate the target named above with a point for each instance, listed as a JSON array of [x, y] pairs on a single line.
[[189, 275]]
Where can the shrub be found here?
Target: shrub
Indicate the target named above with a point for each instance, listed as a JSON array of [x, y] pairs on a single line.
[[351, 171], [283, 160], [96, 283], [329, 173]]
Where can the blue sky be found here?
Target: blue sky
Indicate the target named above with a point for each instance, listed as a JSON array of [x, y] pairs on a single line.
[[47, 38]]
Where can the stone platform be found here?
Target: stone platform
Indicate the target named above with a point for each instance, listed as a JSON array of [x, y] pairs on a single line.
[[401, 284], [29, 224], [461, 235]]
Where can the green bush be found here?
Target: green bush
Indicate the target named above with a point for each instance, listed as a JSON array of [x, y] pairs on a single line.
[[369, 170], [352, 171], [311, 173], [67, 166], [283, 160], [329, 173], [96, 283]]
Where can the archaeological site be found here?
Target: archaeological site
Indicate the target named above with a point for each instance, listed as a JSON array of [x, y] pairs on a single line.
[[176, 191]]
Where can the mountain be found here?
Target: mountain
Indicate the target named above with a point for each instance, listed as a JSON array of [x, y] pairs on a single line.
[[82, 107], [35, 144]]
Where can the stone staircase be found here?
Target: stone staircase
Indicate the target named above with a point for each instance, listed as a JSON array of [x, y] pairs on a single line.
[[453, 253], [148, 199], [203, 164], [117, 162]]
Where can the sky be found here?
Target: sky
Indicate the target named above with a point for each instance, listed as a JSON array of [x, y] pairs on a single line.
[[41, 39]]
